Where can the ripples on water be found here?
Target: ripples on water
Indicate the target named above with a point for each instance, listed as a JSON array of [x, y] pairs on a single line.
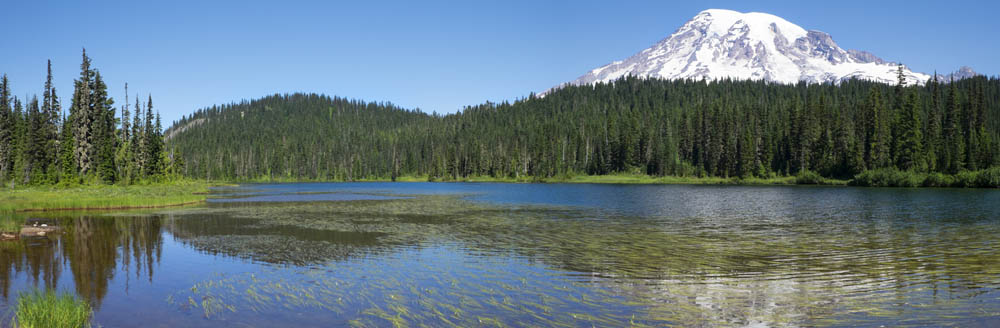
[[383, 254]]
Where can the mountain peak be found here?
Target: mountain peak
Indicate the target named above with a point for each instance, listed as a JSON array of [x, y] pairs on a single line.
[[721, 43]]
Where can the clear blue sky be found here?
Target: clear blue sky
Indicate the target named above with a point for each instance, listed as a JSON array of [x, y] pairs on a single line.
[[436, 56]]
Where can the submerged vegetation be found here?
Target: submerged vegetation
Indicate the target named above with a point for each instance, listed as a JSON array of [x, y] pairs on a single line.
[[668, 255], [362, 262], [37, 309]]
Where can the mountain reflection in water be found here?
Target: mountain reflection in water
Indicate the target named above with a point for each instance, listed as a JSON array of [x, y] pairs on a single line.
[[529, 255]]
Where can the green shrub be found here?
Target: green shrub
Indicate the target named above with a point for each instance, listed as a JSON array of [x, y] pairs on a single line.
[[988, 178], [966, 179], [808, 178], [38, 309], [888, 178], [938, 180]]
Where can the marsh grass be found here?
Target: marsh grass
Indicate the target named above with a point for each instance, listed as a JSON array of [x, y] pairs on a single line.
[[37, 309], [9, 223], [99, 197]]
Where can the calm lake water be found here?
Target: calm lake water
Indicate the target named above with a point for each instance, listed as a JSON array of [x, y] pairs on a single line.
[[469, 254]]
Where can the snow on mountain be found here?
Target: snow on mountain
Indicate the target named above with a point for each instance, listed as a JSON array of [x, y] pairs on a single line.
[[964, 72], [719, 44]]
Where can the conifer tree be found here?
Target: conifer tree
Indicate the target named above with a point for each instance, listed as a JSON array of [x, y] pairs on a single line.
[[83, 117], [123, 155], [954, 149], [137, 143], [49, 134], [22, 158], [878, 131], [910, 153], [6, 131], [933, 136], [150, 152], [970, 122], [105, 138], [35, 144], [67, 160]]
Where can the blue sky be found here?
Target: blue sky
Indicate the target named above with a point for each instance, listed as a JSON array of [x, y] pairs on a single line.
[[436, 56]]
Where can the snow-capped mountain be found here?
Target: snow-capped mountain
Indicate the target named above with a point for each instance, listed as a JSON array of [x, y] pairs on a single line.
[[718, 44], [964, 72]]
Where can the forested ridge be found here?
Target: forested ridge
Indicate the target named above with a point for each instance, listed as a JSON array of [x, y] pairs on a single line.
[[638, 126], [42, 144]]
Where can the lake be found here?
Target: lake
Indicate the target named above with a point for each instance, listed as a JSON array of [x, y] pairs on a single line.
[[493, 254]]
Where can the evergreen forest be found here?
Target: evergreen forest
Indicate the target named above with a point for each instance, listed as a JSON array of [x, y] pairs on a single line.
[[90, 143], [939, 133]]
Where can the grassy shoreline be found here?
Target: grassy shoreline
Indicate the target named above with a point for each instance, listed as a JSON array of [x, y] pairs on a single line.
[[185, 192], [96, 197], [87, 197], [603, 179], [986, 178]]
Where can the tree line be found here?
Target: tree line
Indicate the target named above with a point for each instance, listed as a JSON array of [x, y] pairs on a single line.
[[721, 128], [42, 144]]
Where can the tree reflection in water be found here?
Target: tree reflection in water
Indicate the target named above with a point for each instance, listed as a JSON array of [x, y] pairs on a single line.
[[90, 248]]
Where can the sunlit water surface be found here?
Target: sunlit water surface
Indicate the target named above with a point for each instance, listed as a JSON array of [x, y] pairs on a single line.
[[467, 254]]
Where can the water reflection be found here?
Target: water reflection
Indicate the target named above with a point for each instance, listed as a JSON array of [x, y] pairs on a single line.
[[258, 240], [741, 264], [535, 255], [92, 249]]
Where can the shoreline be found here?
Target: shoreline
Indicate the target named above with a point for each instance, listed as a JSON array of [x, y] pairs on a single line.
[[14, 203], [580, 179], [981, 179], [109, 208]]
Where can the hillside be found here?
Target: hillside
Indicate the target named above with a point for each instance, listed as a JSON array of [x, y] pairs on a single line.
[[657, 127]]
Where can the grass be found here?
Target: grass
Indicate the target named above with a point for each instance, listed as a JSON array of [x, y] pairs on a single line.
[[101, 196], [48, 310], [95, 197]]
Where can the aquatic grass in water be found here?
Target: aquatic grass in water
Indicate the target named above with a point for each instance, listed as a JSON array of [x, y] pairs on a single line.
[[412, 288], [10, 224], [588, 267], [37, 309]]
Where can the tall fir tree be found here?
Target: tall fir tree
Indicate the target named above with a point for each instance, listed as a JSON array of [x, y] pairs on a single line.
[[152, 143], [69, 171], [910, 150], [22, 152], [50, 112], [136, 143], [877, 150], [105, 136], [82, 113], [932, 139], [35, 144], [6, 131], [954, 149]]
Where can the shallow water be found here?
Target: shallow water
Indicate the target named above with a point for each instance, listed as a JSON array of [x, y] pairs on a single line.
[[468, 254]]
